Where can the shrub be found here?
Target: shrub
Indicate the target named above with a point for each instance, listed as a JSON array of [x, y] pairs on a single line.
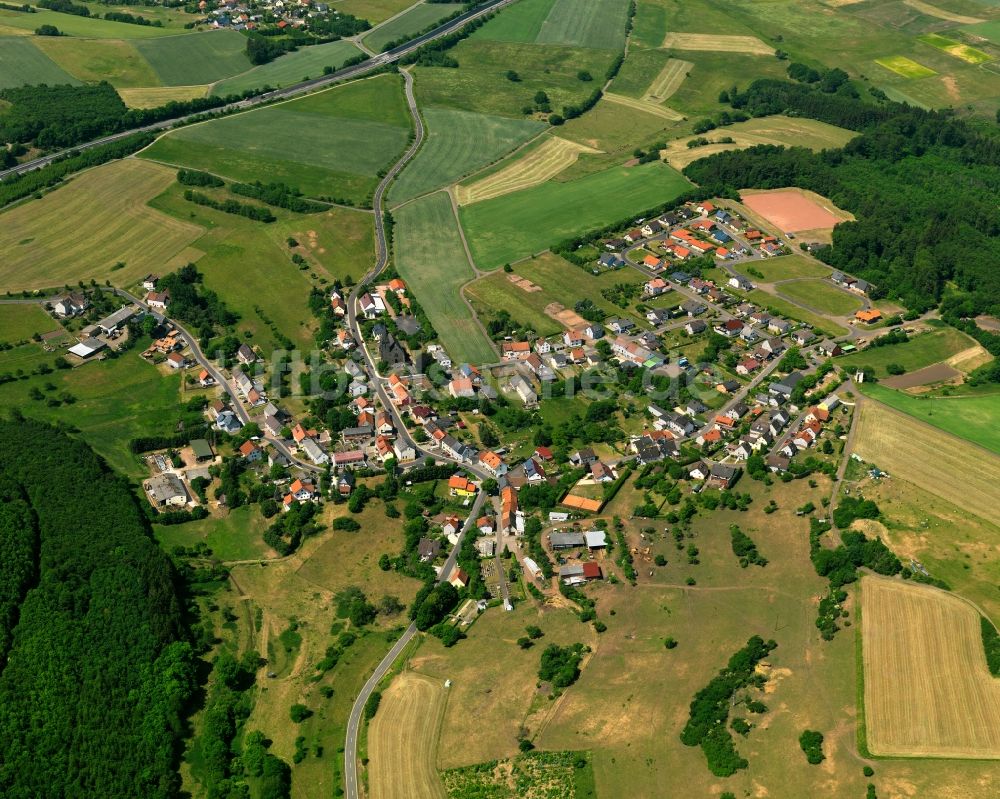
[[299, 713], [811, 742]]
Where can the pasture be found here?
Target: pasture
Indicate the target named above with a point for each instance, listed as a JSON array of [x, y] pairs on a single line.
[[920, 351], [45, 245], [559, 281], [928, 691], [957, 49], [402, 739], [966, 415], [791, 310], [306, 62], [431, 259], [616, 129], [375, 11], [457, 144], [821, 296], [327, 144], [912, 450], [22, 63], [21, 322], [716, 43], [595, 24], [151, 97], [198, 58], [787, 267], [18, 23], [119, 62], [535, 167], [516, 225], [407, 24]]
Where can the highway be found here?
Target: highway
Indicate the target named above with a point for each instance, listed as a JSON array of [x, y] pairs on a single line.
[[356, 71]]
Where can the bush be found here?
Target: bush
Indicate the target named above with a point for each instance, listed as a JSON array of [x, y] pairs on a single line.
[[371, 706], [299, 713], [812, 744], [670, 643], [345, 523]]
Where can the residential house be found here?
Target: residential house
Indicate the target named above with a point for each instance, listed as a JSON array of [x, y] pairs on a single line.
[[803, 336], [462, 387], [786, 385], [583, 457], [730, 328], [371, 305], [698, 471], [693, 308], [403, 450], [313, 451], [149, 282], [228, 422], [165, 490], [741, 283], [158, 300], [658, 316], [515, 350], [250, 452], [621, 325], [869, 316], [533, 471], [459, 486], [428, 549], [523, 390], [611, 260], [723, 476], [729, 386], [176, 361], [829, 348], [205, 379], [601, 473], [747, 366], [694, 327], [778, 326], [656, 286], [70, 304], [245, 355]]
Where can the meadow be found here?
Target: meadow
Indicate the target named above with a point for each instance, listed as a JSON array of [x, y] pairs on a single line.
[[198, 58], [431, 259], [919, 641], [154, 96], [790, 310], [332, 143], [407, 24], [117, 61], [21, 62], [598, 24], [21, 322], [517, 225], [306, 62], [821, 295], [44, 244], [971, 417], [616, 128], [560, 281], [457, 144], [920, 351], [786, 267], [237, 535], [20, 24], [375, 11]]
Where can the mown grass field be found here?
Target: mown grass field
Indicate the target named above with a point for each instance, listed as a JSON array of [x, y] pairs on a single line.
[[560, 282], [971, 417], [520, 24], [306, 62], [153, 96], [21, 322], [921, 642], [598, 24], [821, 295], [458, 143], [117, 61], [516, 225], [408, 24], [328, 144], [194, 59], [617, 129], [431, 259], [19, 23], [238, 535], [402, 739], [922, 350], [792, 311], [375, 11], [22, 63], [786, 267], [45, 245]]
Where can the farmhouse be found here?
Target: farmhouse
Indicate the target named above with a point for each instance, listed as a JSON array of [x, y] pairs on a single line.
[[158, 300], [109, 325], [70, 304], [165, 490]]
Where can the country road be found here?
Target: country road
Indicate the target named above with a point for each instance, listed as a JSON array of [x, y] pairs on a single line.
[[356, 71]]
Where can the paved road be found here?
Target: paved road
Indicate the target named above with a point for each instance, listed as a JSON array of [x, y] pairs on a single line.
[[354, 722], [356, 71]]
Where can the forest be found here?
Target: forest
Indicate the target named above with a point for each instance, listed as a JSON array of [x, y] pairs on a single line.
[[97, 670], [922, 184]]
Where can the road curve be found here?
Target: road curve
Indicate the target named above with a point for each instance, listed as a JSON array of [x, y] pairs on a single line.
[[356, 71]]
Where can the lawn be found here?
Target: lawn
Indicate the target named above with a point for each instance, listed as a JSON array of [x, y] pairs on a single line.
[[458, 143], [430, 257], [306, 62], [21, 322], [329, 144], [408, 24], [17, 22], [821, 296], [922, 350], [516, 225], [971, 417], [785, 268], [560, 281], [792, 311], [45, 245], [235, 536], [195, 59], [118, 62], [22, 63]]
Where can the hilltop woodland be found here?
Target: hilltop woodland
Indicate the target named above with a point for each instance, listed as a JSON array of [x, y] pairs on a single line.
[[97, 671], [922, 184]]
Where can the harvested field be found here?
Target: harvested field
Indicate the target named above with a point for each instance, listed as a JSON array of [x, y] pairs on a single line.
[[969, 359], [936, 373], [793, 210], [714, 43], [668, 81], [650, 107], [904, 66], [403, 739], [928, 691], [940, 13], [923, 455], [541, 164], [44, 244], [155, 96]]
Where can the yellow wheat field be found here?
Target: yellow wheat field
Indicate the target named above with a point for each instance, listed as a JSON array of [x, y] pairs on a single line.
[[668, 81], [940, 13], [716, 43], [644, 105], [155, 96], [544, 162], [928, 691], [941, 464], [403, 738]]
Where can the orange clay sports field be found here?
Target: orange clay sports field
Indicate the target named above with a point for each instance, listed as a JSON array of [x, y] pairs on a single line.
[[791, 210]]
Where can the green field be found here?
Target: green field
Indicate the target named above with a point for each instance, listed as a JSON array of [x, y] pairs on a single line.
[[16, 22], [520, 24], [972, 417], [586, 23], [91, 60], [22, 63], [957, 49], [457, 143], [920, 351], [235, 536], [785, 268], [904, 66], [430, 257], [375, 11], [792, 311], [560, 282], [408, 24], [987, 30], [306, 62], [329, 144], [821, 296], [616, 129], [195, 59], [639, 71], [516, 225], [21, 322]]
